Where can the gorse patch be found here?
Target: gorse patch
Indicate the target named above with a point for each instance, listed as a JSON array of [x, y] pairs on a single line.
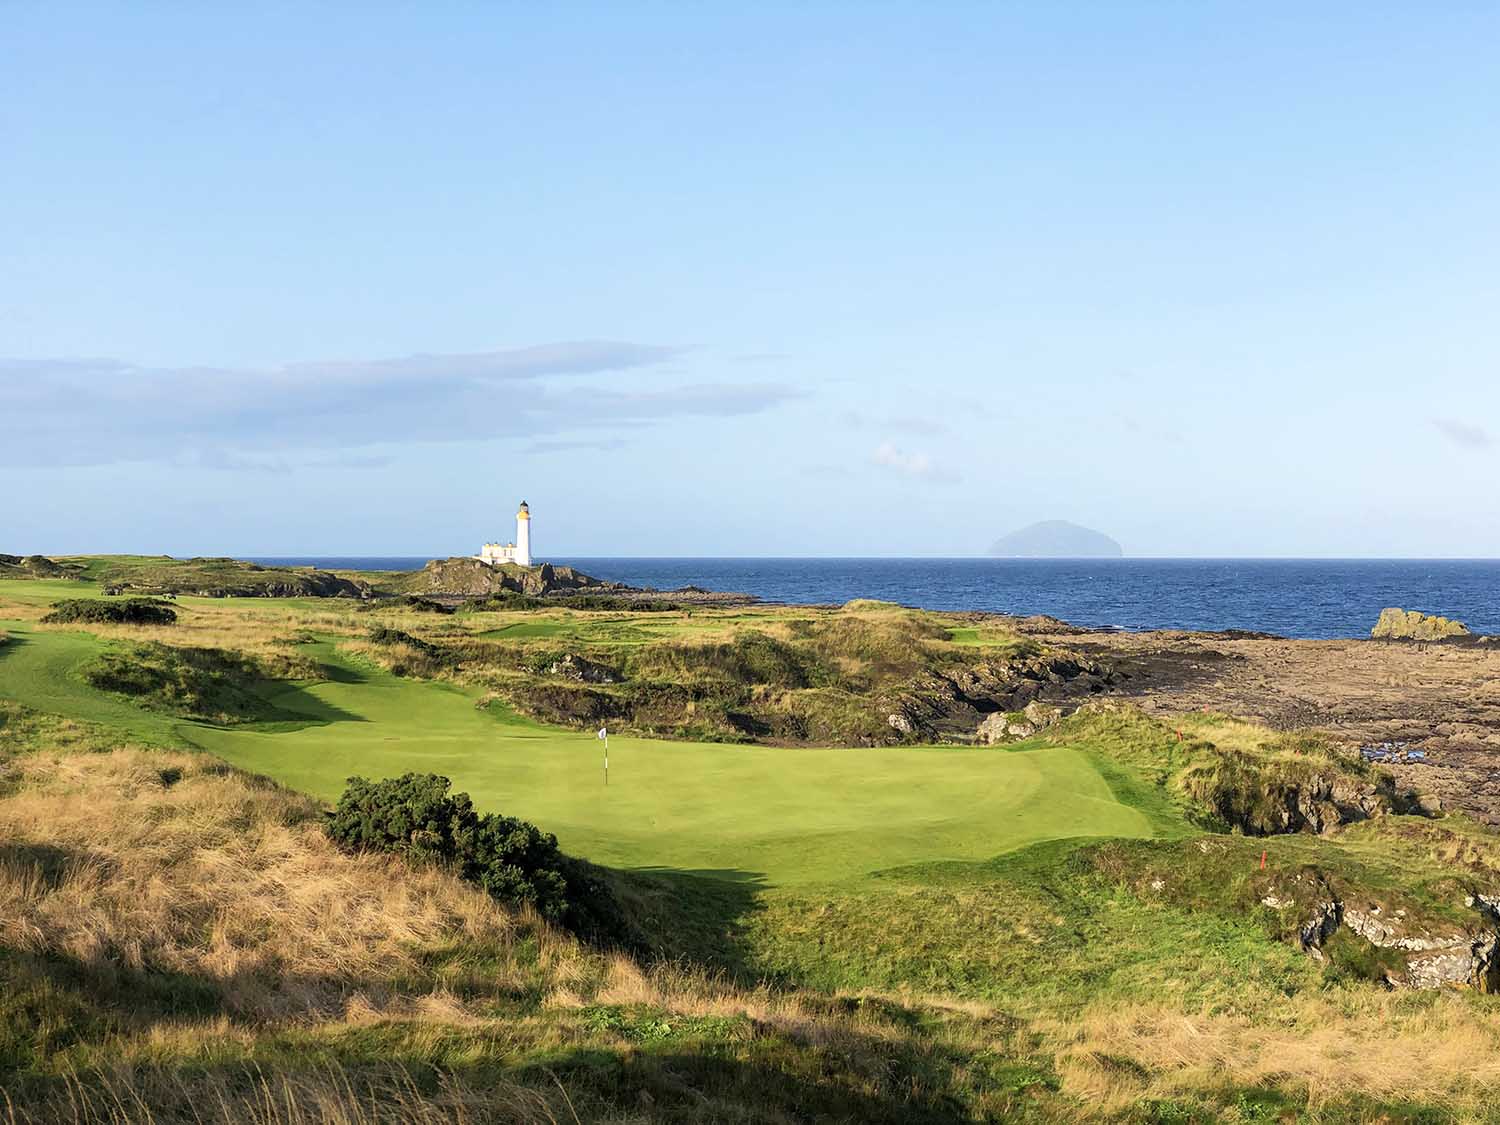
[[415, 816], [130, 611]]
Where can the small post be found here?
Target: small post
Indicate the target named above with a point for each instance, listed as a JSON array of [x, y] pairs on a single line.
[[1263, 858]]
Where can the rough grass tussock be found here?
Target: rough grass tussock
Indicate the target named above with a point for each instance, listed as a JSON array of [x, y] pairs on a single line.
[[209, 684]]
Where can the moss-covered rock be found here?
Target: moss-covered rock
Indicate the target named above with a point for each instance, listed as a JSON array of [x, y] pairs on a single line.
[[1409, 625]]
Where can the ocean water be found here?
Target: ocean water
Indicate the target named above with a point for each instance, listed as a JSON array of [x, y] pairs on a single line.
[[1291, 597]]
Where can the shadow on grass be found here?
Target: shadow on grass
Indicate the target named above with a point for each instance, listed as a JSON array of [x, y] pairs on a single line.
[[581, 1065], [694, 915]]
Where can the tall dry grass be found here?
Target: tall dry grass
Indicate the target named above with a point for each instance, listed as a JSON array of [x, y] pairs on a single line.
[[322, 1095], [133, 859], [1441, 1049]]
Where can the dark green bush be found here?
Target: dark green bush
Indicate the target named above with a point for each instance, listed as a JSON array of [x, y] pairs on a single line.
[[131, 611], [504, 600], [412, 602], [424, 605], [381, 635], [416, 816]]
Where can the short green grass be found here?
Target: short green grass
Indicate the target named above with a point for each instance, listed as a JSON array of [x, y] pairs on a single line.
[[764, 814]]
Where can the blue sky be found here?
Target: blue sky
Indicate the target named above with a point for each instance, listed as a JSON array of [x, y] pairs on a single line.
[[1216, 279]]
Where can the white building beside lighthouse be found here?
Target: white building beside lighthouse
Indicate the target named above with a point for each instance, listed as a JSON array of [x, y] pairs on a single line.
[[518, 552]]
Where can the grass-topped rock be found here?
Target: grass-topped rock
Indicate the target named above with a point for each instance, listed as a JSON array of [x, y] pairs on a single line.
[[97, 611], [473, 578], [1225, 773], [222, 578]]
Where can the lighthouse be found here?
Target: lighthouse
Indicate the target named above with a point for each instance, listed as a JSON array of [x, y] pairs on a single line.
[[523, 535], [518, 552]]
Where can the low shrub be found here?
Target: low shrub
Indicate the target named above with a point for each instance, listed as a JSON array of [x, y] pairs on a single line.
[[503, 601], [415, 816], [381, 635], [131, 611], [616, 603], [410, 656], [424, 605], [412, 602]]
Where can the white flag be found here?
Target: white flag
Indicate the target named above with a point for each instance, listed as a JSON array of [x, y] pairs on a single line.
[[603, 734]]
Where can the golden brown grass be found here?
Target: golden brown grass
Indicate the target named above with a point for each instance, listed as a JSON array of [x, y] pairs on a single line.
[[1434, 1048], [134, 859], [254, 630], [324, 1095]]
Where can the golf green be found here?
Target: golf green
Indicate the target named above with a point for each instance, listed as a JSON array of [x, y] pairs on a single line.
[[752, 812]]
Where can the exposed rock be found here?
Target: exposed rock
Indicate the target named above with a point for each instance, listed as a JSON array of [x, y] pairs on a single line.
[[1043, 623], [1259, 802], [952, 703], [1431, 954], [1409, 625], [581, 669], [1008, 727], [995, 728]]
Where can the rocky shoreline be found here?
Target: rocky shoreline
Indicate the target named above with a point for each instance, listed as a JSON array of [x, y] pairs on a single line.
[[460, 579], [1426, 710]]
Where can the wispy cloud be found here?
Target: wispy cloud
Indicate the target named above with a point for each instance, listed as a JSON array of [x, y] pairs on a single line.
[[760, 357], [100, 411], [912, 424], [1463, 433], [888, 456], [578, 446], [235, 462]]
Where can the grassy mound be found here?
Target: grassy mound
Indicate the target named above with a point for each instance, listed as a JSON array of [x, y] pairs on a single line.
[[1228, 774], [35, 566], [220, 578], [828, 677], [210, 684], [131, 611]]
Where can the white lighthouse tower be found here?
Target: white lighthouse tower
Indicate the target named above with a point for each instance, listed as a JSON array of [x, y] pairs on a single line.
[[523, 535], [518, 552]]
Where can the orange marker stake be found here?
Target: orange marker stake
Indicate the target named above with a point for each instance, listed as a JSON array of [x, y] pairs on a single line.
[[1263, 859]]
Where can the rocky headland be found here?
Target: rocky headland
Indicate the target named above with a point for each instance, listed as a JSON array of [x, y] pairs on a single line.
[[464, 578]]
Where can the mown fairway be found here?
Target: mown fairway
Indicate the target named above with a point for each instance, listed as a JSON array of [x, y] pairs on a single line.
[[760, 813]]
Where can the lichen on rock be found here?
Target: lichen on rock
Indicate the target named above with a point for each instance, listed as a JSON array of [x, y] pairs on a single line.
[[1410, 625]]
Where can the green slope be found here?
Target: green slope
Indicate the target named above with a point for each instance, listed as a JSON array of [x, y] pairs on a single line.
[[762, 813]]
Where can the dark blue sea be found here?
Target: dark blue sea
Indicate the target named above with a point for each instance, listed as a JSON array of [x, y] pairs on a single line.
[[1291, 597]]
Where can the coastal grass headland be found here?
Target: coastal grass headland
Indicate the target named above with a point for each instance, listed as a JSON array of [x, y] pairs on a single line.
[[869, 864]]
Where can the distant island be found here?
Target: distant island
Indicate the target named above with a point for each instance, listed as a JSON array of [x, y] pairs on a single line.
[[1056, 539]]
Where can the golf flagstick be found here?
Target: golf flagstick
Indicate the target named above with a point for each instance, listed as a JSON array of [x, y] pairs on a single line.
[[604, 736]]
